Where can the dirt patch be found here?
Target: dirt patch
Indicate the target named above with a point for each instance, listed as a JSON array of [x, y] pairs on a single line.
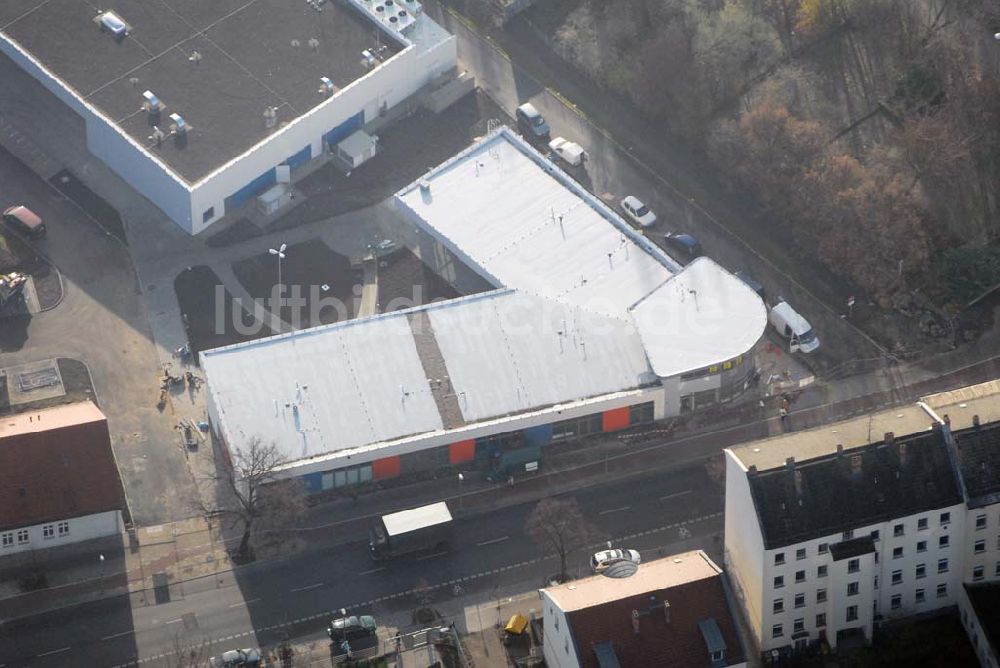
[[407, 149], [16, 255], [197, 290], [241, 230], [94, 205], [76, 383], [405, 281], [307, 268]]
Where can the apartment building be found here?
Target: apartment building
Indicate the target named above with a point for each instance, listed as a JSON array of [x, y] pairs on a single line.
[[831, 532]]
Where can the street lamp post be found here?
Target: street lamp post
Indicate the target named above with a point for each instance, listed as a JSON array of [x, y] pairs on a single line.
[[280, 252], [461, 499], [101, 558]]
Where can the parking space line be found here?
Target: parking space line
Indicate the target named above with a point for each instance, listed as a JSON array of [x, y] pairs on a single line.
[[55, 651], [115, 635], [676, 494], [307, 587], [614, 510], [492, 542]]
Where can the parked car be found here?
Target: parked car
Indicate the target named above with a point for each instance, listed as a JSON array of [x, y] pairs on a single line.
[[752, 283], [787, 322], [569, 152], [602, 560], [637, 211], [236, 658], [351, 628], [25, 221], [685, 246], [532, 124]]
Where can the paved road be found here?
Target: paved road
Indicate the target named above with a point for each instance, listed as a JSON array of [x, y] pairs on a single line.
[[297, 594]]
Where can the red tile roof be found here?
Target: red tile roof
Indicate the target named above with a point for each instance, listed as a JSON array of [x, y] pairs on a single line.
[[678, 643], [56, 464]]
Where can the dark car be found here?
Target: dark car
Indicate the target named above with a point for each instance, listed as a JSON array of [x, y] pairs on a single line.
[[351, 628], [685, 247], [24, 220], [751, 282], [532, 124]]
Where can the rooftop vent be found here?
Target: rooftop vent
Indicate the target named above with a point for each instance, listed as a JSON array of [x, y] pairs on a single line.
[[413, 6], [326, 86], [177, 124], [368, 59], [151, 104], [270, 116], [195, 57], [114, 24]]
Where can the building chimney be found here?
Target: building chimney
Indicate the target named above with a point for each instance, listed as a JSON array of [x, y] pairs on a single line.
[[635, 622], [666, 611], [752, 469], [790, 463], [947, 420], [901, 449], [890, 437], [975, 421], [840, 450]]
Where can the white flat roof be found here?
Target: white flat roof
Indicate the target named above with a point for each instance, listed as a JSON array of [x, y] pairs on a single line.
[[524, 224], [416, 518], [702, 316], [509, 352], [323, 389]]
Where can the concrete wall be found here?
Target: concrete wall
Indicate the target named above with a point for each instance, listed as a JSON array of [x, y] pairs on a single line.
[[558, 648], [82, 528], [744, 546]]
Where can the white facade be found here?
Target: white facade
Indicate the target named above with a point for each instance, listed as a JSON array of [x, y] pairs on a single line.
[[981, 544], [558, 649], [60, 532]]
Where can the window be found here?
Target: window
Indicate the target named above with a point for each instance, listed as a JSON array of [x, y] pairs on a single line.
[[821, 620], [942, 590], [920, 596], [22, 536], [922, 524], [820, 595], [800, 553], [921, 571], [63, 528], [977, 573], [852, 588], [777, 631], [852, 613], [942, 565], [799, 625], [48, 531], [821, 571], [980, 546], [824, 548], [208, 215], [779, 605], [897, 553], [640, 413], [922, 546], [876, 582], [897, 530], [980, 522], [945, 518], [996, 571], [896, 602], [779, 558], [943, 541], [897, 577], [800, 600], [7, 540], [875, 535], [849, 534], [779, 581], [718, 655], [800, 576], [854, 565]]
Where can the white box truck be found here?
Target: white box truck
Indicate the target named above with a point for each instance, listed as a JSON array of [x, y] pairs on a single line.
[[415, 530], [792, 326]]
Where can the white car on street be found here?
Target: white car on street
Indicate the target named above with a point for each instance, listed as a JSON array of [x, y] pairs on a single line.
[[569, 152], [637, 211], [602, 560]]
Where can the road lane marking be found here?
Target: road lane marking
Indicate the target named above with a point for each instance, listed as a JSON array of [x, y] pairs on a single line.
[[676, 494], [492, 542], [614, 510], [55, 651], [312, 586], [431, 556], [252, 600], [118, 635], [374, 570], [174, 621]]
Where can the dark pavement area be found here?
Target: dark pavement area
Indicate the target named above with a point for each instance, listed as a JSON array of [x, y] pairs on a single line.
[[90, 203]]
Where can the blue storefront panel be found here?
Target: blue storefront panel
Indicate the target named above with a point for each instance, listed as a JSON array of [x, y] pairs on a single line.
[[300, 158], [252, 189], [345, 129], [540, 435]]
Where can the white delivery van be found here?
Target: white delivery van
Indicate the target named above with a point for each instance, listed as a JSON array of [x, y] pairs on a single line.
[[793, 327]]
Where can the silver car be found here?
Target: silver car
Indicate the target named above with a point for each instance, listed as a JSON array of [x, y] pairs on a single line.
[[602, 560], [637, 211], [236, 658]]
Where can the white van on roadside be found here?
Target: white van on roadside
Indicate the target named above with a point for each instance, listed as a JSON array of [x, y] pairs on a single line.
[[793, 327]]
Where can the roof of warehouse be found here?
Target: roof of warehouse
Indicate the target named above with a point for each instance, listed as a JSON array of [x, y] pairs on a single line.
[[248, 63]]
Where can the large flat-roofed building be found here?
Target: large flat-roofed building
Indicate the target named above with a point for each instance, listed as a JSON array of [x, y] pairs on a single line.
[[59, 480], [586, 328], [196, 104]]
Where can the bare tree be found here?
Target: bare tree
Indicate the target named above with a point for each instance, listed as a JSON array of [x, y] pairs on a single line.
[[250, 496], [558, 525], [187, 651]]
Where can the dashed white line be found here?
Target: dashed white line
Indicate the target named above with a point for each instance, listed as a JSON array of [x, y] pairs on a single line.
[[431, 556], [55, 651], [614, 510], [116, 635], [174, 621], [374, 570], [492, 542], [676, 494], [241, 603], [312, 586]]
